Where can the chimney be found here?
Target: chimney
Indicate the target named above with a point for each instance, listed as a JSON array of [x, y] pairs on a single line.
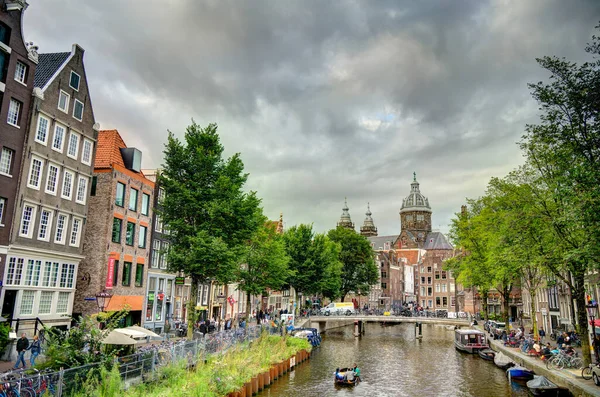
[[463, 210]]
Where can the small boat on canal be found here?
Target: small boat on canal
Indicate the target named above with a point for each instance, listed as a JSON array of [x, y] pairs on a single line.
[[345, 377], [470, 340], [518, 372], [502, 361], [541, 386], [487, 354]]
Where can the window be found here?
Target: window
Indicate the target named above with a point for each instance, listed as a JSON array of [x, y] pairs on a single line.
[[130, 233], [116, 273], [21, 72], [47, 272], [74, 81], [29, 272], [429, 291], [158, 225], [45, 224], [63, 101], [67, 187], [139, 274], [116, 230], [438, 301], [429, 269], [163, 255], [64, 274], [52, 179], [444, 275], [2, 206], [86, 155], [27, 302], [444, 288], [120, 197], [133, 196], [36, 273], [71, 276], [54, 278], [383, 285], [27, 221], [59, 138], [142, 236], [35, 173], [75, 232], [155, 253], [93, 188], [452, 301], [61, 222], [45, 306], [430, 303], [161, 195], [383, 274], [126, 273], [43, 127], [422, 291], [428, 280], [437, 276], [6, 161], [145, 204], [14, 112], [437, 288], [444, 301], [62, 305], [78, 110], [451, 287], [73, 145], [81, 190], [422, 280]]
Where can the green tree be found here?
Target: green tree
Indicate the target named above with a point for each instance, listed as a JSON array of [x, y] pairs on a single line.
[[359, 269], [326, 253], [266, 262], [209, 216]]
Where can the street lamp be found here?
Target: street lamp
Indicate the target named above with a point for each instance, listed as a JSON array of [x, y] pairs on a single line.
[[102, 299], [592, 307]]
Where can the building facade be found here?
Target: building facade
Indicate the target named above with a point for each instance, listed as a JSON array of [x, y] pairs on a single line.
[[116, 244], [47, 241], [17, 70]]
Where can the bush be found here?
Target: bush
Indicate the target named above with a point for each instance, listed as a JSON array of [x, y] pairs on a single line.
[[4, 341]]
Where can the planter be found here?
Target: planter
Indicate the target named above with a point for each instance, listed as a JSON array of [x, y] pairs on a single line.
[[242, 392], [267, 377], [248, 386], [282, 368], [234, 394], [272, 373], [261, 382], [254, 382]]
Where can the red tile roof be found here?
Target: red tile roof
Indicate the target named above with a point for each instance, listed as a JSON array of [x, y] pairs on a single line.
[[411, 255], [108, 149]]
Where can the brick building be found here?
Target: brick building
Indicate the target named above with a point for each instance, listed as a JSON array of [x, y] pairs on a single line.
[[117, 239], [46, 243], [17, 69]]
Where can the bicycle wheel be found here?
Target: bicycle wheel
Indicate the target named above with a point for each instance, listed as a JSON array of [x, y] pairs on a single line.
[[27, 392], [586, 373], [576, 363]]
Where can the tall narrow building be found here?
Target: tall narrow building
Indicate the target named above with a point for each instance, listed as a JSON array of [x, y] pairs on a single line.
[[368, 228], [345, 220], [415, 218]]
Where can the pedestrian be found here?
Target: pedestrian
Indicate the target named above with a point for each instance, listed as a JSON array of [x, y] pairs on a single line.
[[542, 334], [22, 345], [35, 348]]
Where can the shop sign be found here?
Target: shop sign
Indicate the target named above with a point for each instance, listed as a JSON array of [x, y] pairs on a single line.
[[151, 296], [111, 273], [179, 280]]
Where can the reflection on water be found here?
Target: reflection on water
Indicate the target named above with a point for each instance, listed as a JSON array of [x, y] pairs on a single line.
[[393, 363]]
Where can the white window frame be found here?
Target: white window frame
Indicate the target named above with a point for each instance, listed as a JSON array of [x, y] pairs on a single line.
[[62, 139], [48, 224], [11, 112], [39, 173], [48, 179], [67, 100], [63, 230], [59, 303], [2, 207], [76, 135], [81, 196], [45, 303], [46, 133], [30, 294], [78, 85], [62, 189], [75, 232], [87, 147], [75, 107], [20, 73], [7, 152], [31, 224]]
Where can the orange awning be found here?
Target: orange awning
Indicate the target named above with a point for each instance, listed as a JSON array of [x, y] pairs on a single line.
[[119, 302]]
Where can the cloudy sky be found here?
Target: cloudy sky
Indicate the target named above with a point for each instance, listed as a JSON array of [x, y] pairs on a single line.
[[325, 99]]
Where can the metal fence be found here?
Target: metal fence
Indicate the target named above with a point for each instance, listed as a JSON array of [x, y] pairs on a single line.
[[135, 368]]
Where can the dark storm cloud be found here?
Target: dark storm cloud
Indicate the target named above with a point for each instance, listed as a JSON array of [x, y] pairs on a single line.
[[326, 99]]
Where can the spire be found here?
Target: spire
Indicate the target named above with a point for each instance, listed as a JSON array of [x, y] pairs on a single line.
[[280, 224], [368, 228], [345, 220], [414, 176]]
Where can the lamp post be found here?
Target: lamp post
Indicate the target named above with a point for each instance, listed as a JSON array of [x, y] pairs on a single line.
[[103, 299], [592, 307]]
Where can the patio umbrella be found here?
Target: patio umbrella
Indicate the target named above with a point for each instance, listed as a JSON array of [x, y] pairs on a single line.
[[130, 332], [118, 338], [147, 332]]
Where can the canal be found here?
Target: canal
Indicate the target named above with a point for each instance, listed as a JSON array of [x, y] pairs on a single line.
[[393, 363]]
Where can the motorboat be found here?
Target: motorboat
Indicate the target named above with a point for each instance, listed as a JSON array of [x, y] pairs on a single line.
[[541, 386], [487, 354], [470, 340], [518, 372], [502, 361], [345, 377]]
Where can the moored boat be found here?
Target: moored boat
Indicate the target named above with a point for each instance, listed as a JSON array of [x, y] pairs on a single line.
[[502, 361], [518, 372], [487, 354], [345, 377], [541, 386], [470, 340]]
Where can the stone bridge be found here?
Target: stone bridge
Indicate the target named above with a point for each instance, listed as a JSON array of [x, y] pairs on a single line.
[[323, 323]]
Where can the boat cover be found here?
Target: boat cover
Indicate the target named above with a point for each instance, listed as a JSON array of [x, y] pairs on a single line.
[[540, 383], [501, 359]]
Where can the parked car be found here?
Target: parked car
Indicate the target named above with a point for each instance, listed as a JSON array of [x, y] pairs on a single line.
[[346, 308], [488, 326], [596, 374], [498, 329]]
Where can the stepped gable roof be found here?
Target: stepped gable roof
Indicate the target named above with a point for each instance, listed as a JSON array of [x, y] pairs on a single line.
[[411, 255], [379, 241], [108, 150], [48, 65], [437, 241]]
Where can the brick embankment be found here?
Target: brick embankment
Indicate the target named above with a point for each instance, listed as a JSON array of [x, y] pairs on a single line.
[[568, 378]]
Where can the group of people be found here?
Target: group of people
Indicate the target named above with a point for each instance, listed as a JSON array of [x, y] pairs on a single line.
[[23, 346], [351, 374]]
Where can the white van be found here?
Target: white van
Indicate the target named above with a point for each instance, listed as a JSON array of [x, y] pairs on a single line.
[[346, 308]]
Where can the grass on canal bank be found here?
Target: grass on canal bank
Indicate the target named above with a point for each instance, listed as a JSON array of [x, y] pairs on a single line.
[[218, 376]]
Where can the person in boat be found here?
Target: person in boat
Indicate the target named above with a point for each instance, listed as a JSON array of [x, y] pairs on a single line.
[[338, 375], [356, 371]]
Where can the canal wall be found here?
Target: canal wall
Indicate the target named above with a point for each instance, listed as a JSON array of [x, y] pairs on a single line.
[[570, 379], [324, 326]]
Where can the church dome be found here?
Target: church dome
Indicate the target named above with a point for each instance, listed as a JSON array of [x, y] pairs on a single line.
[[415, 201]]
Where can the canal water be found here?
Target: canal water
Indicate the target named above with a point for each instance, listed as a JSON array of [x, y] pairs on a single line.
[[394, 363]]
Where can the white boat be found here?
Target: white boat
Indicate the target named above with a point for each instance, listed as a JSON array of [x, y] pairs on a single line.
[[470, 340]]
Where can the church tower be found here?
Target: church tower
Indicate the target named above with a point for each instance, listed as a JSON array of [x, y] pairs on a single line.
[[415, 214], [345, 220], [368, 228]]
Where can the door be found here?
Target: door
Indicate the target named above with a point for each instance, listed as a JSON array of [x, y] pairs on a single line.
[[8, 307]]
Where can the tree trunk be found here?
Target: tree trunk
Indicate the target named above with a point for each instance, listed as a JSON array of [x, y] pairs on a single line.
[[506, 304], [192, 308], [582, 320], [248, 306], [484, 299], [533, 295]]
